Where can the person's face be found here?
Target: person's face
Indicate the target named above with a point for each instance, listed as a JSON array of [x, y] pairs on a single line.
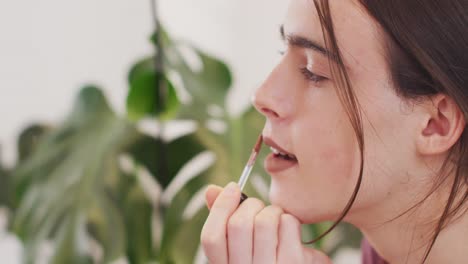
[[304, 116]]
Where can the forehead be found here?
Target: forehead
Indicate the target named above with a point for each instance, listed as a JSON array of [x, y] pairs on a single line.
[[358, 35]]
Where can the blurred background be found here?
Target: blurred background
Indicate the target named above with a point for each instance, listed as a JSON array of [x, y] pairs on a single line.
[[95, 165]]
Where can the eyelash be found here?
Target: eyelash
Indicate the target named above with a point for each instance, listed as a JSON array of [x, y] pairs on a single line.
[[310, 76]]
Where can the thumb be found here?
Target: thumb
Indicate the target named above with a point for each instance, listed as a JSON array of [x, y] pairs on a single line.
[[211, 194]]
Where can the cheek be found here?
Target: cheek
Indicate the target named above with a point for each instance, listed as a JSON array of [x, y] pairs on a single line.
[[334, 171], [332, 153], [328, 153], [337, 163], [326, 177]]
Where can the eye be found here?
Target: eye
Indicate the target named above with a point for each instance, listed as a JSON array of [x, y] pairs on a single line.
[[312, 76], [281, 52]]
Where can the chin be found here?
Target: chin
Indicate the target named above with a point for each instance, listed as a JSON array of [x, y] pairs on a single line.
[[306, 213]]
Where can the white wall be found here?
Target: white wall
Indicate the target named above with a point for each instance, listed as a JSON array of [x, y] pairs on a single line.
[[49, 48]]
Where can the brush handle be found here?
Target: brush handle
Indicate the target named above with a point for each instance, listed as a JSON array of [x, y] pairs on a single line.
[[248, 168], [243, 181], [245, 176]]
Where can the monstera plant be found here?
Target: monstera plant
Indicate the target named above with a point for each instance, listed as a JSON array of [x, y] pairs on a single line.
[[82, 187]]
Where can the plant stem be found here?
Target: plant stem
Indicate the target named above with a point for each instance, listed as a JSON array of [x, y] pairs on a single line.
[[161, 91]]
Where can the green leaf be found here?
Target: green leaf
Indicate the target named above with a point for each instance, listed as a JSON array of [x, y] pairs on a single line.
[[180, 233], [179, 152], [144, 99], [138, 213], [5, 187], [141, 66], [106, 224], [69, 249], [29, 138], [208, 85], [65, 187], [188, 238]]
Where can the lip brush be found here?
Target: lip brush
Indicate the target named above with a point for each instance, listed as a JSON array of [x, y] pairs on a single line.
[[248, 167]]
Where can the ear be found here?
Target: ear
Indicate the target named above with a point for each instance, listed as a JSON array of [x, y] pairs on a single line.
[[442, 126]]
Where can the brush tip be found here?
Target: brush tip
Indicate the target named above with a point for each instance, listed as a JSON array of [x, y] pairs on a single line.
[[258, 145]]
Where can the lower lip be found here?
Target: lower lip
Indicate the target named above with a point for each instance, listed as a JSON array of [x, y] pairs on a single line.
[[274, 164]]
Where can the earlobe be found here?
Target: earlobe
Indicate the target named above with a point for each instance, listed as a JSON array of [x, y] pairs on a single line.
[[444, 123]]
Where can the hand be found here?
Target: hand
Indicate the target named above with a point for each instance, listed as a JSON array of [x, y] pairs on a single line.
[[251, 232]]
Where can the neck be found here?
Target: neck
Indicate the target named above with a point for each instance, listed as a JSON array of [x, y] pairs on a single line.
[[406, 238]]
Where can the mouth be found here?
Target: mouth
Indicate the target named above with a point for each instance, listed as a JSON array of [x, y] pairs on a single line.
[[283, 155], [279, 159]]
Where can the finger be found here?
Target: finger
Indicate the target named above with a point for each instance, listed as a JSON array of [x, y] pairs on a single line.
[[266, 234], [315, 256], [240, 231], [211, 194], [290, 249], [213, 236]]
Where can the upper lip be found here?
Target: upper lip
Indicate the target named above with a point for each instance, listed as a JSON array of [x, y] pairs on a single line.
[[268, 141]]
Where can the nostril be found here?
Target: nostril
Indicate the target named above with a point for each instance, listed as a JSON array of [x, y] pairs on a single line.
[[263, 103], [268, 112]]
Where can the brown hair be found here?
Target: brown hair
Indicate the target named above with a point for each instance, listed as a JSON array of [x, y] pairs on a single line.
[[427, 47]]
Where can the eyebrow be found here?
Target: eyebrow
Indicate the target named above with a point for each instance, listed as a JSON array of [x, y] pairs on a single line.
[[303, 42]]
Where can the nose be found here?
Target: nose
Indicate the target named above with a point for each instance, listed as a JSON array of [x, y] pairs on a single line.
[[274, 98]]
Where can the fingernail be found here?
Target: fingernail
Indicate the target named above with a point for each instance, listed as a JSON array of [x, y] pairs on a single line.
[[231, 188]]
